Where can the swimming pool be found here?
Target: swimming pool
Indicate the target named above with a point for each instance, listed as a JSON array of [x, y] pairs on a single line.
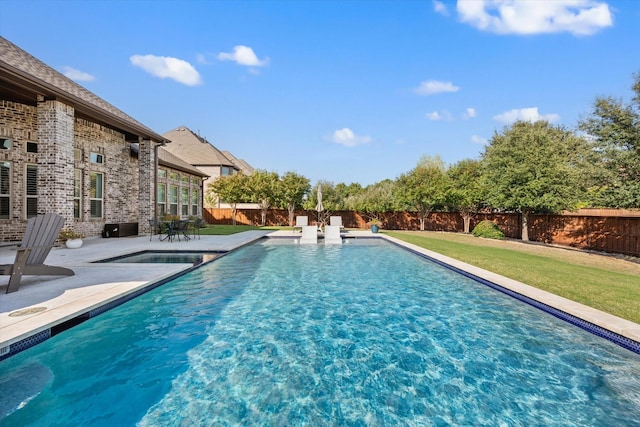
[[359, 334]]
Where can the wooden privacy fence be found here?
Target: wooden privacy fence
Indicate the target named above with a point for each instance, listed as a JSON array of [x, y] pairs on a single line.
[[615, 234]]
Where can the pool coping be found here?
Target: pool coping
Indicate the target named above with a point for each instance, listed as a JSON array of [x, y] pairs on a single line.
[[75, 306]]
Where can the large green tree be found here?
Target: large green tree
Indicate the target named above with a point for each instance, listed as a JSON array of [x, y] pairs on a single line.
[[231, 189], [293, 189], [264, 189], [465, 193], [615, 128], [424, 188], [374, 200], [534, 167]]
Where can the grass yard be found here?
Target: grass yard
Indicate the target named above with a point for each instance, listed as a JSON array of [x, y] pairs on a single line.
[[223, 230], [603, 282]]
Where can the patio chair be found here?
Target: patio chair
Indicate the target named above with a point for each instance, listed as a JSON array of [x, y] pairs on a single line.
[[182, 228], [301, 221], [197, 224], [332, 235], [336, 220], [39, 237], [154, 225], [309, 234]]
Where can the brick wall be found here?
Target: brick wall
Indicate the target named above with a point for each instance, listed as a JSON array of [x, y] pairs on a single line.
[[18, 122], [121, 180], [53, 125]]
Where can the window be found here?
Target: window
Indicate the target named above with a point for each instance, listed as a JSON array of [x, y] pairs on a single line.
[[162, 199], [5, 189], [226, 170], [77, 154], [5, 143], [194, 201], [184, 202], [162, 173], [96, 191], [173, 176], [195, 180], [32, 147], [185, 179], [31, 191], [96, 158], [77, 193], [173, 200]]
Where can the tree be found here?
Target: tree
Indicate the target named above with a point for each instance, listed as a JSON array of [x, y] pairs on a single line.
[[374, 200], [424, 188], [231, 189], [465, 193], [264, 190], [615, 129], [534, 167], [293, 188], [345, 192]]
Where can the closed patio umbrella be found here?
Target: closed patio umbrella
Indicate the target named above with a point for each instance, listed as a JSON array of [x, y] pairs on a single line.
[[319, 207]]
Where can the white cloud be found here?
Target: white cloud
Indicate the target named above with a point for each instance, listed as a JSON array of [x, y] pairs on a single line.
[[440, 8], [578, 17], [201, 58], [243, 55], [347, 138], [433, 87], [77, 75], [167, 67], [469, 113], [478, 140], [435, 116], [525, 114]]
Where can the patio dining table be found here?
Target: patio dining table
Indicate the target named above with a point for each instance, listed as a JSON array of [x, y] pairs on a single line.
[[175, 228]]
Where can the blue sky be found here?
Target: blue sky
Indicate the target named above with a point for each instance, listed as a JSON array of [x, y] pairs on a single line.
[[342, 91]]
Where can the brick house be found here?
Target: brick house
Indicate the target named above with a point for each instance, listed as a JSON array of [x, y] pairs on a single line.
[[200, 153], [65, 150]]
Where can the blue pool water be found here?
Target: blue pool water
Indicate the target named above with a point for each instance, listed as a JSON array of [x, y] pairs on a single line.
[[359, 334]]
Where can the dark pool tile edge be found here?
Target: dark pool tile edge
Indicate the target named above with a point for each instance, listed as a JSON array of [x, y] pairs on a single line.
[[597, 330]]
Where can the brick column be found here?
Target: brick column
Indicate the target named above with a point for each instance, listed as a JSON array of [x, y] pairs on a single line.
[[147, 193], [55, 158]]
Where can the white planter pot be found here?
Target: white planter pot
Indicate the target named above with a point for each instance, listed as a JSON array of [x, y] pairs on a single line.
[[73, 243]]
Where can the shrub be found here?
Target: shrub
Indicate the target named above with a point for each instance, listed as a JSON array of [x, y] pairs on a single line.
[[488, 229]]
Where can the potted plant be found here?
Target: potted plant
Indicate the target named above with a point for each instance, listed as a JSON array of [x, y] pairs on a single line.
[[374, 224], [72, 239]]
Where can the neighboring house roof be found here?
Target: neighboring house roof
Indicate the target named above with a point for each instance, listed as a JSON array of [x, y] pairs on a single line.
[[25, 77], [245, 167], [165, 158], [196, 150]]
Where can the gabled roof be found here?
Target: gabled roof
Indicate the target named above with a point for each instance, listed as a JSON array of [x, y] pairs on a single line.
[[245, 167], [165, 158], [196, 150], [25, 77]]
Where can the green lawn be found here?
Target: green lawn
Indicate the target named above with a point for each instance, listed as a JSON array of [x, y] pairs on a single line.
[[223, 230], [610, 285]]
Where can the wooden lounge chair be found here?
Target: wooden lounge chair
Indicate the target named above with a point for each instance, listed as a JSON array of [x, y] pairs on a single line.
[[39, 237]]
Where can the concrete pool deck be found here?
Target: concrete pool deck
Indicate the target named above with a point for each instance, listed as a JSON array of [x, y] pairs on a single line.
[[43, 302]]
